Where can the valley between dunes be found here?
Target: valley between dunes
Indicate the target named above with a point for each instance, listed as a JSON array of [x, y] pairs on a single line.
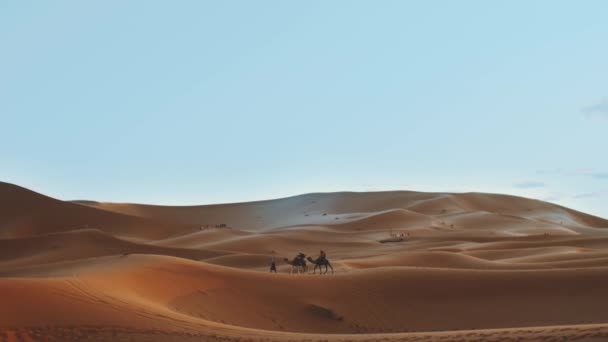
[[472, 267]]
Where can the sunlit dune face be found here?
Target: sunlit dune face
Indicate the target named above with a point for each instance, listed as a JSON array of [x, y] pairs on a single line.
[[480, 261]]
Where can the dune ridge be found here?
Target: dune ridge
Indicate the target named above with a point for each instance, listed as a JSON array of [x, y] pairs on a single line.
[[470, 267]]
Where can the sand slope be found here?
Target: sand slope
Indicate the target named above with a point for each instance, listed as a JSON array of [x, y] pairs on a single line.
[[26, 213], [471, 267]]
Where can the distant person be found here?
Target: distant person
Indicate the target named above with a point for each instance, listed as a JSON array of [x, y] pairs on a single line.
[[273, 265], [322, 255], [300, 258]]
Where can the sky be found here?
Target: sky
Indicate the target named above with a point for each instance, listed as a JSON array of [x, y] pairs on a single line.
[[195, 102]]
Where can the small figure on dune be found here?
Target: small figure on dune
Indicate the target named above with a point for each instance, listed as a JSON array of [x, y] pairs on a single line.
[[298, 264], [321, 261], [273, 265]]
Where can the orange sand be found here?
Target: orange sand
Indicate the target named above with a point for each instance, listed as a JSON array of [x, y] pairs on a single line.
[[471, 267]]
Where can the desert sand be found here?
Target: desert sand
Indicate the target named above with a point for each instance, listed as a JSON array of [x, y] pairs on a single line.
[[470, 267]]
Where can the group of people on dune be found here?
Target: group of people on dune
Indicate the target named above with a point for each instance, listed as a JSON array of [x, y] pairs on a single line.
[[299, 265]]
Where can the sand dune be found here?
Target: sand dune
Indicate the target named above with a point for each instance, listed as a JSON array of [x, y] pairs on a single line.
[[194, 292], [471, 267], [82, 244], [26, 213], [310, 209]]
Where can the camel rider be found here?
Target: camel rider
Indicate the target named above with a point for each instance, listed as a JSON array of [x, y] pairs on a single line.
[[322, 255], [300, 257]]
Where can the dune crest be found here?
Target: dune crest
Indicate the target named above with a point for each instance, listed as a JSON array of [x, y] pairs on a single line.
[[464, 267]]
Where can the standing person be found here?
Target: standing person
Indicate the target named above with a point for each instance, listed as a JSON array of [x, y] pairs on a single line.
[[273, 265]]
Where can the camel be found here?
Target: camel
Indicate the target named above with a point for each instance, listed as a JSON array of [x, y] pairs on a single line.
[[318, 263], [298, 265]]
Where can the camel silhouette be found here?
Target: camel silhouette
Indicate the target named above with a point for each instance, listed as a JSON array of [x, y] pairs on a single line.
[[298, 265], [318, 263]]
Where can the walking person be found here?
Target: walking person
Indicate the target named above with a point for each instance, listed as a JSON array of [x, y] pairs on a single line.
[[273, 265]]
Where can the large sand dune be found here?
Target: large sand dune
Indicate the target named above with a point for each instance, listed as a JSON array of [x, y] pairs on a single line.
[[470, 267]]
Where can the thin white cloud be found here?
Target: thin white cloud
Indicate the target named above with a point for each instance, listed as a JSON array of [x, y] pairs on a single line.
[[585, 195], [529, 185], [597, 174], [600, 175], [560, 196], [593, 194], [599, 110]]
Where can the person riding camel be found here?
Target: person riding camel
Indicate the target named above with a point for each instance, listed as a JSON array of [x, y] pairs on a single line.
[[300, 257], [322, 255]]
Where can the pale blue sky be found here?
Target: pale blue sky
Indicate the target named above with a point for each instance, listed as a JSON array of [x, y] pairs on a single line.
[[191, 102]]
